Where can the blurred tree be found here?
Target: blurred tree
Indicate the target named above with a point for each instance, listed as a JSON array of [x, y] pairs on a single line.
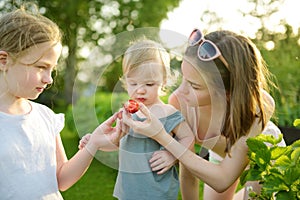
[[279, 45], [85, 23]]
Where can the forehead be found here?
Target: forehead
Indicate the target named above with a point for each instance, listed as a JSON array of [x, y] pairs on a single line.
[[147, 71], [190, 73], [47, 51]]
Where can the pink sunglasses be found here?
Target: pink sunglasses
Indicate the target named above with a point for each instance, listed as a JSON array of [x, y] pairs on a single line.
[[207, 50]]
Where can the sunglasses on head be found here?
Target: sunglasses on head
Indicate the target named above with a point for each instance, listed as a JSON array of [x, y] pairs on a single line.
[[207, 50]]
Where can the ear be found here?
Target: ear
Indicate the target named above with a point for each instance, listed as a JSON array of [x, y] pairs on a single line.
[[3, 60]]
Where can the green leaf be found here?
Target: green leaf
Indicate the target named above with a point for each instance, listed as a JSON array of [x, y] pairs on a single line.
[[295, 156], [295, 144], [274, 184], [291, 175], [262, 154], [277, 151], [296, 122], [270, 138], [284, 195], [251, 175], [283, 162], [243, 177], [255, 145]]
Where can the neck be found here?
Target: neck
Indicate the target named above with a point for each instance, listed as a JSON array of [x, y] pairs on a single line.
[[210, 122], [14, 106]]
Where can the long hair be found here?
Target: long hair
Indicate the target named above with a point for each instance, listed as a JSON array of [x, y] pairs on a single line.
[[244, 83]]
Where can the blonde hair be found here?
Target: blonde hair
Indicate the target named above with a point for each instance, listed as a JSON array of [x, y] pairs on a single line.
[[244, 82], [145, 50], [21, 29]]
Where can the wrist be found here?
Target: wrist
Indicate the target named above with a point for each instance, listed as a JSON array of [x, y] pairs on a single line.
[[162, 137], [91, 148]]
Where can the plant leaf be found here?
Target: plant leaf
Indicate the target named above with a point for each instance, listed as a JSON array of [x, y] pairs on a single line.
[[277, 151], [262, 155], [284, 195], [250, 175], [291, 175], [296, 122], [268, 138]]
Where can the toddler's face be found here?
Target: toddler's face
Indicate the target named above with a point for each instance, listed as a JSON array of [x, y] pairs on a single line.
[[144, 82]]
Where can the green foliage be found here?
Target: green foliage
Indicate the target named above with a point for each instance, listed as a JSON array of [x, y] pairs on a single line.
[[296, 122], [89, 111], [276, 168], [283, 62]]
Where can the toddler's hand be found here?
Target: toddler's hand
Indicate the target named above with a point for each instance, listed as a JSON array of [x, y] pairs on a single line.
[[84, 140], [161, 161]]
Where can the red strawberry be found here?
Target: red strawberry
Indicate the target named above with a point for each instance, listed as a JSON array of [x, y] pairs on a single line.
[[131, 106]]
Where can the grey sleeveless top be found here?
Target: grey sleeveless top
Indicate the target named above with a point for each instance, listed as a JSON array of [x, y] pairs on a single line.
[[135, 178]]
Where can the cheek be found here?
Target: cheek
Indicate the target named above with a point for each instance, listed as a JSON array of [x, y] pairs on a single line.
[[130, 90], [204, 98]]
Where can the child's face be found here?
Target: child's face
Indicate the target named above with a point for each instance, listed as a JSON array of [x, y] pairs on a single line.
[[144, 82], [193, 88], [31, 73]]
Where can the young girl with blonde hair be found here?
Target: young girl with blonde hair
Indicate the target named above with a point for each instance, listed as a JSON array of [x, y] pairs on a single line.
[[33, 163]]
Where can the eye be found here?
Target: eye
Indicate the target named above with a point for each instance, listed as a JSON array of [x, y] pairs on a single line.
[[132, 84], [150, 84], [195, 86], [41, 67]]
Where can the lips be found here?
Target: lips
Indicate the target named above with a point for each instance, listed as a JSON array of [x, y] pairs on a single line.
[[40, 89], [141, 99]]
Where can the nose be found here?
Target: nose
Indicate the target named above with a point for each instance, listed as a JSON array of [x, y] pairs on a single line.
[[141, 89], [47, 77], [183, 88]]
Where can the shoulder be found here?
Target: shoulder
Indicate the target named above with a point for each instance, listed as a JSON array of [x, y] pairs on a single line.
[[40, 107], [48, 114], [163, 110], [173, 100]]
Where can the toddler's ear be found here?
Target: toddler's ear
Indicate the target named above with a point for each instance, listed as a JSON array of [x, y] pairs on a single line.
[[3, 60]]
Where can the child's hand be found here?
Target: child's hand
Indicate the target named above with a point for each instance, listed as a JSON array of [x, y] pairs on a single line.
[[107, 135], [121, 129], [161, 161], [150, 127], [84, 140]]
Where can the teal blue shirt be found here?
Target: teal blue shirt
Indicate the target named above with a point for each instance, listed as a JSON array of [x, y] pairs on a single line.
[[135, 178]]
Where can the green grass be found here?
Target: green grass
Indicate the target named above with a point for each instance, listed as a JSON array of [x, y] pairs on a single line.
[[98, 181]]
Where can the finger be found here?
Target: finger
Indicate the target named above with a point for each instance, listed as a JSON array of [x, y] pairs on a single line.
[[163, 170], [112, 119], [126, 118], [155, 156], [156, 163], [124, 127], [119, 127], [158, 167], [119, 114], [144, 110]]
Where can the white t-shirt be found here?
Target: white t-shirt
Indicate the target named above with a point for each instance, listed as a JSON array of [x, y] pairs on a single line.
[[27, 154]]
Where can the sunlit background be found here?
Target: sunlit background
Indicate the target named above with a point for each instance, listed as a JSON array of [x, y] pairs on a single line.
[[232, 15]]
